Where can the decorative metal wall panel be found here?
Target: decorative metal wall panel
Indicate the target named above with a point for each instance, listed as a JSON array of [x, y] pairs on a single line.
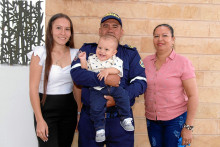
[[21, 28]]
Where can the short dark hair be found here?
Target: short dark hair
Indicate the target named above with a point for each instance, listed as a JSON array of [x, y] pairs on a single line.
[[165, 25]]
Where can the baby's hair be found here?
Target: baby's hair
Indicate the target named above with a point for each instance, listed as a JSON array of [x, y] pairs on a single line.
[[108, 36]]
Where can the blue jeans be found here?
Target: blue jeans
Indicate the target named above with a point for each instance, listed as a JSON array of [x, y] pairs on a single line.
[[165, 133], [98, 104]]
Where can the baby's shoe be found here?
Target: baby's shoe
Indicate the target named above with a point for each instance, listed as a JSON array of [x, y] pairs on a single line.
[[100, 135], [127, 124]]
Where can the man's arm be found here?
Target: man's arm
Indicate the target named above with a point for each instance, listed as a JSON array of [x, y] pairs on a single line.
[[138, 81], [112, 71], [112, 80], [77, 95]]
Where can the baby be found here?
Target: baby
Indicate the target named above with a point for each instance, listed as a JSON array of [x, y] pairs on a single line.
[[105, 62]]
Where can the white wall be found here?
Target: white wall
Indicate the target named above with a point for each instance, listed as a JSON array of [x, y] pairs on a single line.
[[16, 115]]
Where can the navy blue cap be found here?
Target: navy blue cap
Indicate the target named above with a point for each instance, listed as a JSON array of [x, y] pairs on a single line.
[[111, 16]]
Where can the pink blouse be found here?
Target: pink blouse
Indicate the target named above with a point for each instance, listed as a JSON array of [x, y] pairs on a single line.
[[165, 97]]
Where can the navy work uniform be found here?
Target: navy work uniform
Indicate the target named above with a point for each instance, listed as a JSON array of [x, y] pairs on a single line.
[[133, 80]]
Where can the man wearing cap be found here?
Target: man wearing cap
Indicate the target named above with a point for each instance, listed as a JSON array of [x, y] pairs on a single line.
[[133, 81]]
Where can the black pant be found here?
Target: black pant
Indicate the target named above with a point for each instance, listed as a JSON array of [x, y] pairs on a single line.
[[60, 114]]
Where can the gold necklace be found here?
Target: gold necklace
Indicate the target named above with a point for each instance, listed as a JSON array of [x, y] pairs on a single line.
[[57, 62]]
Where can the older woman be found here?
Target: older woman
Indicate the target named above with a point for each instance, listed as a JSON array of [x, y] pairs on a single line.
[[171, 98]]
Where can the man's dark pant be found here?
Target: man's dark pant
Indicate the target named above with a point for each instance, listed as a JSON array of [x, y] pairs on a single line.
[[116, 136]]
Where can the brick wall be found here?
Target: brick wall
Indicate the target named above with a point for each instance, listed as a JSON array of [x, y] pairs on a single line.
[[197, 30]]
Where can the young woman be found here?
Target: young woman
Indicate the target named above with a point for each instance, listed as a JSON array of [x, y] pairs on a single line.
[[51, 86]]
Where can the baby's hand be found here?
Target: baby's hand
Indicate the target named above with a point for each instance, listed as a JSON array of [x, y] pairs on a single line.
[[82, 56], [103, 74]]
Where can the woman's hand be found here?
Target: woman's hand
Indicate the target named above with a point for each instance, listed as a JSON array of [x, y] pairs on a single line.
[[42, 130], [186, 136]]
